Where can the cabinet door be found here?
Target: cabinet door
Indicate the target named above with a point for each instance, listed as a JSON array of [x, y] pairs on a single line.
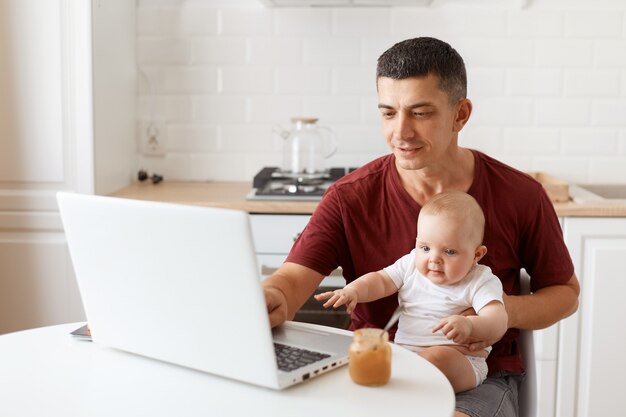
[[37, 133], [592, 363], [56, 79], [274, 235], [268, 264], [37, 286]]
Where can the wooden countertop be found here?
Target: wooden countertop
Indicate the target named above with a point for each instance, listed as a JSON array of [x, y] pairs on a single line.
[[233, 195], [213, 194]]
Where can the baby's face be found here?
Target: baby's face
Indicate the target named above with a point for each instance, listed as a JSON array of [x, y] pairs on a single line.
[[445, 249]]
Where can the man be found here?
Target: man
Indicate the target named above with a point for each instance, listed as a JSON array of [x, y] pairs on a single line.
[[366, 220]]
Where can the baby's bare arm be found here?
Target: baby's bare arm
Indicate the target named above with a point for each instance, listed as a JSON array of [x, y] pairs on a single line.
[[368, 287], [489, 324]]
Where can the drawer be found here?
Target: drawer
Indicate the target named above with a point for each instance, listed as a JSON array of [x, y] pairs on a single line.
[[276, 233], [268, 264]]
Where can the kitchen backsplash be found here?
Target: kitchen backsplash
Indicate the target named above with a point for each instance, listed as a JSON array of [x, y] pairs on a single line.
[[548, 81]]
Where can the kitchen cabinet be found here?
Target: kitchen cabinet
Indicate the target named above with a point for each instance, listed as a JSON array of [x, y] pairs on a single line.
[[67, 118], [591, 360], [274, 235]]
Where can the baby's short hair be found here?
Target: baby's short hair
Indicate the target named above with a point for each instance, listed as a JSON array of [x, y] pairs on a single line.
[[460, 205]]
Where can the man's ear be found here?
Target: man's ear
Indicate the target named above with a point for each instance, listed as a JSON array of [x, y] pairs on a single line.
[[480, 252], [463, 112]]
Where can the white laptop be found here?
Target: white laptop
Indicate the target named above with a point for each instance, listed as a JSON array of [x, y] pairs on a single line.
[[180, 284]]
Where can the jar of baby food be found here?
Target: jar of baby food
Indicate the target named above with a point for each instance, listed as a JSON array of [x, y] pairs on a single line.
[[370, 357]]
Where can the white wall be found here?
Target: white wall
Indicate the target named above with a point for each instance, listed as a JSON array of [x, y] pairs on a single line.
[[548, 81]]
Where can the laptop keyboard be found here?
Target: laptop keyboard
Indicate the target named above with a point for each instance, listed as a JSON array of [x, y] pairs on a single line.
[[290, 358]]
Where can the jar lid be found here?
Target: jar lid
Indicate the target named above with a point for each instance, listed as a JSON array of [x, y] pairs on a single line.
[[304, 119], [371, 335]]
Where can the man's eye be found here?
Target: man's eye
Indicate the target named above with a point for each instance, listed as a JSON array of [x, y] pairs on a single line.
[[388, 115], [425, 248], [450, 252]]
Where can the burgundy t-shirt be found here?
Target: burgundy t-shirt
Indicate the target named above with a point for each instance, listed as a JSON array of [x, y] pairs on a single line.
[[367, 220]]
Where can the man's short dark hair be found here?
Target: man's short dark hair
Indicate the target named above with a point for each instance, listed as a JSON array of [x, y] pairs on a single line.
[[419, 57]]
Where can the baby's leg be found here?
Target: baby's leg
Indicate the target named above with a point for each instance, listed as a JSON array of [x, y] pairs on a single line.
[[454, 366]]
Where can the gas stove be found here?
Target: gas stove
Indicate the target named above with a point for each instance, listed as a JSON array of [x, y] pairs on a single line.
[[273, 184]]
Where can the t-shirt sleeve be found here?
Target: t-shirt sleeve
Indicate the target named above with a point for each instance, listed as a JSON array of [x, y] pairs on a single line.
[[543, 252], [488, 288], [401, 268], [323, 239]]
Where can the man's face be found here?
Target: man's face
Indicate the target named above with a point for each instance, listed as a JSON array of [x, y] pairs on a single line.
[[417, 120]]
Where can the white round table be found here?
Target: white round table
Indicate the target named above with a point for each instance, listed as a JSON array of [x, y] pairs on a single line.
[[46, 372]]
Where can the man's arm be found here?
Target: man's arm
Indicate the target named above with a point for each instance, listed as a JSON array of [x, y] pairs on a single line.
[[287, 289], [540, 309], [544, 307]]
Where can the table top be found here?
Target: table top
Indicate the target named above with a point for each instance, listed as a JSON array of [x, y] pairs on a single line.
[[47, 372]]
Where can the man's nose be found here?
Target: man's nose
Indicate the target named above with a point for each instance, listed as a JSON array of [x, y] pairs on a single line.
[[404, 128]]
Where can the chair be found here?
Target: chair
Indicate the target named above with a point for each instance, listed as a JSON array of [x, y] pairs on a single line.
[[528, 391]]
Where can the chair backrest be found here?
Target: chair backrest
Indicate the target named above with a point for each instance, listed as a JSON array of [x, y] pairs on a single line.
[[528, 391]]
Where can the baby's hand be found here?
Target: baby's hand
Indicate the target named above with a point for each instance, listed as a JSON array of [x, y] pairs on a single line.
[[338, 298], [456, 328]]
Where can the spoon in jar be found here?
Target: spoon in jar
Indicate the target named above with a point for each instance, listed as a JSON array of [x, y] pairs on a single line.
[[392, 320]]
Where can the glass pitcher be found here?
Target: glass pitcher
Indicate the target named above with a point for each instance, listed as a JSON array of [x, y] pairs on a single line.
[[306, 146]]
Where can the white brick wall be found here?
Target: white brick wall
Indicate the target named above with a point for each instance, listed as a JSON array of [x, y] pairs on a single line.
[[548, 82]]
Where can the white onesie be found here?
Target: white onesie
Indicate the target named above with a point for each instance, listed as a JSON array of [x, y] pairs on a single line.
[[425, 303]]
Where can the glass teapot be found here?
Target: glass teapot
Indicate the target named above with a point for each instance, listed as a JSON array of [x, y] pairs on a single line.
[[306, 147]]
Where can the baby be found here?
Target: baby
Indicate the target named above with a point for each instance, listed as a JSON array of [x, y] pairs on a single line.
[[436, 283]]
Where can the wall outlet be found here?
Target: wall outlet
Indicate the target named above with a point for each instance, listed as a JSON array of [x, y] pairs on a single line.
[[153, 138]]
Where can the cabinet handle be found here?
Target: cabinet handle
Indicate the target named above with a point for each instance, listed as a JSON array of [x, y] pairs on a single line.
[[296, 236], [269, 270]]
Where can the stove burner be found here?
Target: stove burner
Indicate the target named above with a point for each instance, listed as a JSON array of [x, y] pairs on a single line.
[[301, 176], [308, 188], [273, 184]]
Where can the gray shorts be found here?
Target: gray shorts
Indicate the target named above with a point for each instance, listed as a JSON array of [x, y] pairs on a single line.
[[496, 397]]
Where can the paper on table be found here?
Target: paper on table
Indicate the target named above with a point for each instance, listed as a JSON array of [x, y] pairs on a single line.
[[82, 333]]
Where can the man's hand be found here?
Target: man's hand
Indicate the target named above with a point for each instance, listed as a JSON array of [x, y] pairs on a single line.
[[346, 295], [277, 307], [473, 343], [456, 328], [481, 345]]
